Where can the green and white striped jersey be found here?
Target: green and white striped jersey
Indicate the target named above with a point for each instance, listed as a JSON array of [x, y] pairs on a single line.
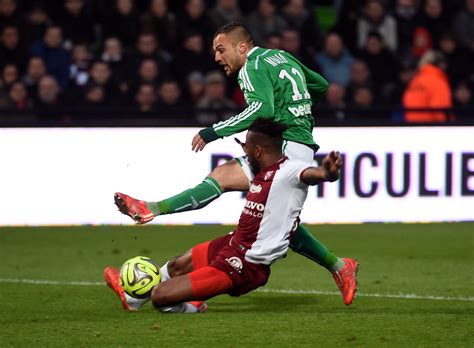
[[275, 84]]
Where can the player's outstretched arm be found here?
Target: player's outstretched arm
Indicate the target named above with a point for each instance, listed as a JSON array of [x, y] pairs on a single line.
[[329, 171], [259, 92], [233, 125]]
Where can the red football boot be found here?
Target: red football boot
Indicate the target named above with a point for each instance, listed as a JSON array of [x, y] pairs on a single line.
[[134, 208], [346, 280], [112, 278]]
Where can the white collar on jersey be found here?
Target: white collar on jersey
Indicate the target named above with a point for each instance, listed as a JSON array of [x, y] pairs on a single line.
[[252, 50]]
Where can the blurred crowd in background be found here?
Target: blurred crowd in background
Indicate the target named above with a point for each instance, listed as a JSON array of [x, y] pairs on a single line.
[[153, 58]]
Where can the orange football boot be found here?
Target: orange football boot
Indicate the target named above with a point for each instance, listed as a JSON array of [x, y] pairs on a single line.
[[346, 280], [134, 208], [112, 278]]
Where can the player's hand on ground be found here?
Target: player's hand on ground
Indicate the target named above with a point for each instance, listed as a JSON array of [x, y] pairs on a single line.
[[331, 164], [197, 144]]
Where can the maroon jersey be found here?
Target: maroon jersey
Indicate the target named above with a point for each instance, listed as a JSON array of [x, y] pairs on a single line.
[[274, 202]]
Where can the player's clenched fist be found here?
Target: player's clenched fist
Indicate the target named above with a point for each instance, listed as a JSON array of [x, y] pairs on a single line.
[[331, 164]]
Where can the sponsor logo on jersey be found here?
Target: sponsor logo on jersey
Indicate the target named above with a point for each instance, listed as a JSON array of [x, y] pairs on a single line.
[[300, 110], [255, 188], [268, 175], [235, 263], [254, 209], [254, 205]]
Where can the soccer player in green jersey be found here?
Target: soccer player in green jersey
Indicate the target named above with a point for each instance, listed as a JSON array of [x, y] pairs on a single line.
[[276, 85]]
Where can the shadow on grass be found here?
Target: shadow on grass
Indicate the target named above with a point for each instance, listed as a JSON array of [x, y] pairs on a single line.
[[280, 303], [264, 303]]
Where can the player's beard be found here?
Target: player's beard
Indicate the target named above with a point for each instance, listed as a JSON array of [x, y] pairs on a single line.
[[254, 166], [234, 67]]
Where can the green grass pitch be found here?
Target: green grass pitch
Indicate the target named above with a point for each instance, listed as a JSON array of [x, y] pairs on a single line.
[[416, 287]]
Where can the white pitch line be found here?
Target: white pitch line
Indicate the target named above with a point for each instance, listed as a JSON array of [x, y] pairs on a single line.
[[271, 291], [398, 296], [48, 282]]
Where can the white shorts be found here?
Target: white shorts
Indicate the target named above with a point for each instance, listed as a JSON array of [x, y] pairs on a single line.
[[291, 149]]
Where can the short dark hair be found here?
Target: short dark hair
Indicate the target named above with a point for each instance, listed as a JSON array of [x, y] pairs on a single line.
[[272, 131], [236, 28]]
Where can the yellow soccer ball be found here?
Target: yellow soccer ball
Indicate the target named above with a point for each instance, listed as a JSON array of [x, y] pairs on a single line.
[[139, 275]]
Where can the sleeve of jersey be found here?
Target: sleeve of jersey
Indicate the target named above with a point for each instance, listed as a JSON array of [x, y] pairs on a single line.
[[258, 88], [317, 85], [295, 170]]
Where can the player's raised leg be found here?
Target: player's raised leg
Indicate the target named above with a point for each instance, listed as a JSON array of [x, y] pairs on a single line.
[[226, 177]]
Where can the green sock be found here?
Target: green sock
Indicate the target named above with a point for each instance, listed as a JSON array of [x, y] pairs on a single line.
[[192, 199], [304, 243]]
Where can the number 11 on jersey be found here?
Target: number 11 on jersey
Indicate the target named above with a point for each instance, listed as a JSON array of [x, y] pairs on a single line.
[[297, 95]]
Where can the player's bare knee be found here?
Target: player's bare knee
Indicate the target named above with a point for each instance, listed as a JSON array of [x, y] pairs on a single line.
[[180, 265], [230, 176], [172, 266], [219, 174], [160, 296]]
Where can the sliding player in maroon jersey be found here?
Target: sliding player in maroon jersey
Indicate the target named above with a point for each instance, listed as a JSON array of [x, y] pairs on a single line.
[[240, 262]]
